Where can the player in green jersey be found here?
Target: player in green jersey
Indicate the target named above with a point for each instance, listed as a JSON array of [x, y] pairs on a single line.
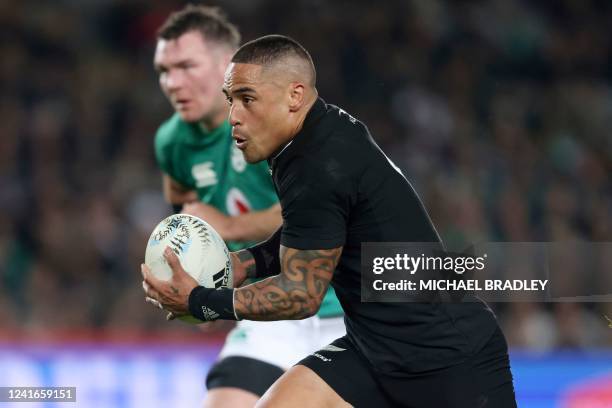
[[208, 163], [204, 174]]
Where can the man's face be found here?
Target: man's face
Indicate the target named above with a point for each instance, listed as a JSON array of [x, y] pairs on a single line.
[[191, 75], [259, 111]]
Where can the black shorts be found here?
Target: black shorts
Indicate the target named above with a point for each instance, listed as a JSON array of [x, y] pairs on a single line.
[[483, 380], [245, 373]]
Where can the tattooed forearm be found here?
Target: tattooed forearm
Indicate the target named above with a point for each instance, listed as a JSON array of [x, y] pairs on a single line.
[[294, 294]]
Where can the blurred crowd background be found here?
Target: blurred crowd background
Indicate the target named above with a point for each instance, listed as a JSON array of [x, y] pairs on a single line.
[[499, 112]]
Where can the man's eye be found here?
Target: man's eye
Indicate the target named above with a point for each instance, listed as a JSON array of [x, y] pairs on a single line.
[[247, 100], [229, 100]]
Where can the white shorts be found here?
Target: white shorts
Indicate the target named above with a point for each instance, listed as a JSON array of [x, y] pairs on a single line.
[[284, 342]]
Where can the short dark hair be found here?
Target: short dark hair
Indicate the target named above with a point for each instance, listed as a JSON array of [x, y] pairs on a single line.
[[211, 22], [270, 49]]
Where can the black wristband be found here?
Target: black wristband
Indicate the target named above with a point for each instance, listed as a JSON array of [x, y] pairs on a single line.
[[212, 304], [265, 254]]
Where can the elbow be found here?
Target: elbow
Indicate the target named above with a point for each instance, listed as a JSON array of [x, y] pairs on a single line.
[[311, 308]]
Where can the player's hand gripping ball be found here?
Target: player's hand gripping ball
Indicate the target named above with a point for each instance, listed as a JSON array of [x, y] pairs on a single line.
[[200, 249]]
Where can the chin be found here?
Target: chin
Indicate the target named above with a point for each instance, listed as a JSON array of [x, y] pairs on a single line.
[[252, 158], [190, 119], [186, 117], [189, 116]]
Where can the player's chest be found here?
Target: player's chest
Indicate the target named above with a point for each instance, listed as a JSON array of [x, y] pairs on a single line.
[[214, 167]]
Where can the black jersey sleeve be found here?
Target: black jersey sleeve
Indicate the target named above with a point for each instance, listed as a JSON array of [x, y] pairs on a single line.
[[267, 262], [315, 214]]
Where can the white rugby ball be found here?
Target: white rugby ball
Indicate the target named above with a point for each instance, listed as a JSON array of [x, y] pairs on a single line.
[[202, 252]]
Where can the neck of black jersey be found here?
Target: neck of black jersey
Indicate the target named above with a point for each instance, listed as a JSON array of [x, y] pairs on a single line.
[[301, 138]]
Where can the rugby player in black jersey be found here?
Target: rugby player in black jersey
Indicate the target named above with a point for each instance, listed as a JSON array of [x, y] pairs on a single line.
[[338, 189]]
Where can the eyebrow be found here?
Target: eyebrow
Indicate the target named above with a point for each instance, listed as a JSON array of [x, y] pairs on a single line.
[[173, 64], [244, 89]]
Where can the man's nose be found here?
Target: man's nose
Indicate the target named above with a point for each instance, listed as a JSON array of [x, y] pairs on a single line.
[[234, 116], [173, 81]]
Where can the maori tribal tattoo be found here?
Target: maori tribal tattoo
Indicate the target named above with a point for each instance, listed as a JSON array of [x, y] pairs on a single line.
[[294, 294]]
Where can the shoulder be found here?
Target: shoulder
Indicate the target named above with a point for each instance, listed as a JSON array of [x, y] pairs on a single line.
[[335, 152], [342, 142], [324, 169], [341, 132], [171, 131]]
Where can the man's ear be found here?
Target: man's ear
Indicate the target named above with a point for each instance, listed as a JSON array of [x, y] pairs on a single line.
[[296, 96]]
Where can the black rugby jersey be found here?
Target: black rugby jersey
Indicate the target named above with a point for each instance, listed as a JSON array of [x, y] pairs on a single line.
[[337, 188]]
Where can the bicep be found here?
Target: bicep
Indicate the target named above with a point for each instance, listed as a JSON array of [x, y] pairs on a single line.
[[317, 218], [316, 206]]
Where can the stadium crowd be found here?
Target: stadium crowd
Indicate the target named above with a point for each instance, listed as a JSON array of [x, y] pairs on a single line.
[[499, 112]]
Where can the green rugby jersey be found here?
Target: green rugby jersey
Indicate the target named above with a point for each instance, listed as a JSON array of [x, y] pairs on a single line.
[[211, 164]]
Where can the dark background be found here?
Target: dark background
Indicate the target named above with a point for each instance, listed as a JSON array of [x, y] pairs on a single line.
[[499, 112]]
